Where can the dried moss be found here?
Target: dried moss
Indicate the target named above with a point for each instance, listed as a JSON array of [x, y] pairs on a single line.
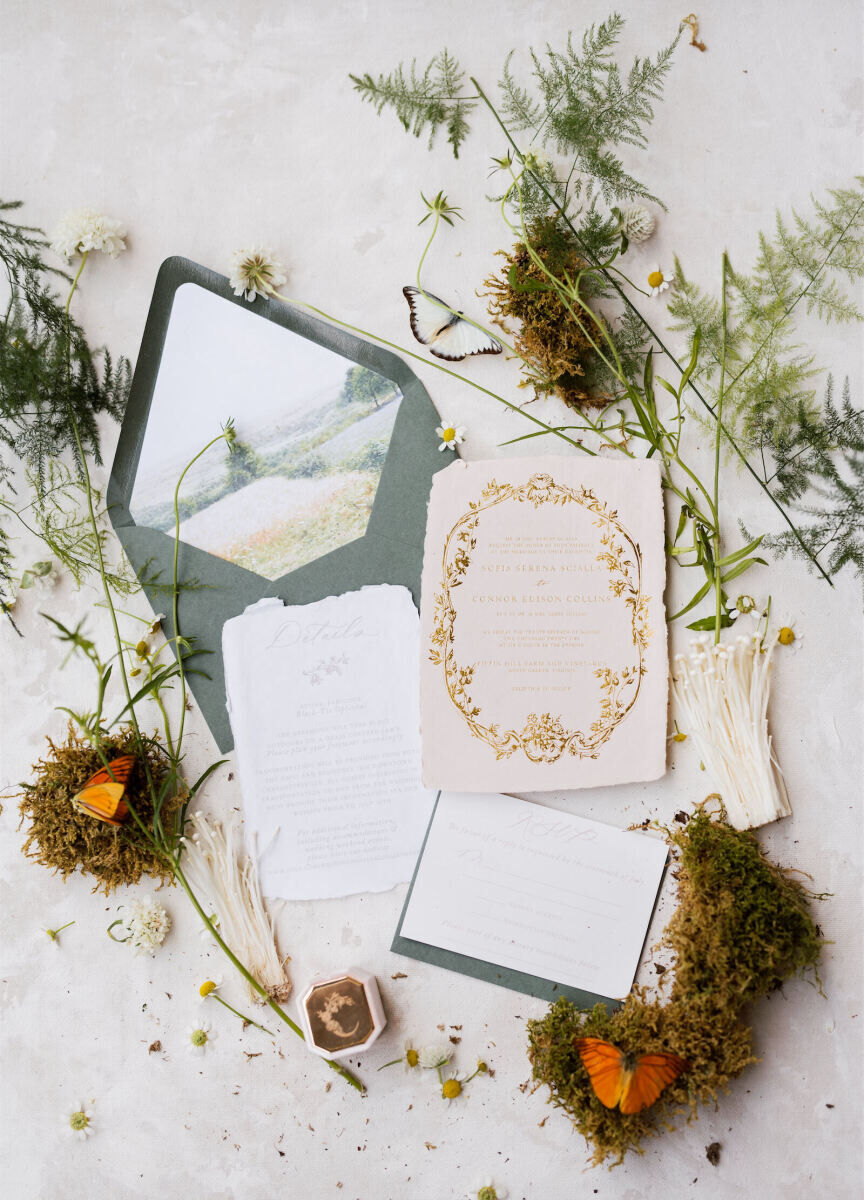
[[61, 838], [548, 337], [741, 927]]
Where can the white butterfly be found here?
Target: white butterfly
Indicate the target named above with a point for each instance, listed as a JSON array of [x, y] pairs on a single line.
[[448, 335]]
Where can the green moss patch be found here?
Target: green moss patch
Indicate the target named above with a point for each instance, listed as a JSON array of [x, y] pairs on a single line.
[[741, 927], [65, 840]]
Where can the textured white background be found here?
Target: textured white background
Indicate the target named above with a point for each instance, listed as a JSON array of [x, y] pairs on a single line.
[[205, 126]]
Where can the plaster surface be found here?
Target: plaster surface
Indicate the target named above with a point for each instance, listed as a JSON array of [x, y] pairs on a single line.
[[208, 126]]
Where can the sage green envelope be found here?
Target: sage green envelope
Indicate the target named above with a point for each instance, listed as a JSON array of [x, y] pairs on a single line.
[[477, 968], [390, 551]]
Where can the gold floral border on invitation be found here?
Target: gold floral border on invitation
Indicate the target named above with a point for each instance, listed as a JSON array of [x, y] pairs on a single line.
[[544, 738]]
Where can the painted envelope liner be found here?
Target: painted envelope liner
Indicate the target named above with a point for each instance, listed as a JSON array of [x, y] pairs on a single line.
[[391, 550]]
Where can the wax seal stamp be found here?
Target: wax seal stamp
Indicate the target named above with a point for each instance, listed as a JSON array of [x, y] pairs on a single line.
[[341, 1014]]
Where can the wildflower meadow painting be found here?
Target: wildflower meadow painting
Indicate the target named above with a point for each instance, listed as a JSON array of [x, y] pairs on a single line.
[[312, 432]]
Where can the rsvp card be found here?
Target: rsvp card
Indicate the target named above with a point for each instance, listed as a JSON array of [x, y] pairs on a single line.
[[542, 894], [544, 660], [325, 713]]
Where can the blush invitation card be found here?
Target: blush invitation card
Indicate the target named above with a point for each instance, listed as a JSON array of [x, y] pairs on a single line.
[[323, 702], [541, 894], [543, 631]]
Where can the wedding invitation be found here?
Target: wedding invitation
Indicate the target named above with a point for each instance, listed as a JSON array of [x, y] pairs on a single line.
[[323, 701], [558, 904], [544, 661]]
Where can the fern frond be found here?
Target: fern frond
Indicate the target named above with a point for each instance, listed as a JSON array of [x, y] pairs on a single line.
[[428, 100], [819, 470], [804, 265]]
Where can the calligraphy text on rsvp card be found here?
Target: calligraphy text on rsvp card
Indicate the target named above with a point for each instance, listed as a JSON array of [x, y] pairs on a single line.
[[543, 658]]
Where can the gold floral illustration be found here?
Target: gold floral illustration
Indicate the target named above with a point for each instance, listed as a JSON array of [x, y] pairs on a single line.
[[544, 737]]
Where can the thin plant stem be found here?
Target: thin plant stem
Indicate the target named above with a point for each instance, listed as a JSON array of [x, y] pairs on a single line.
[[718, 441], [246, 1020], [176, 583]]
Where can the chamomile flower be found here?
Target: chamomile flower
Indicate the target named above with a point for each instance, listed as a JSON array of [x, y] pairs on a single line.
[[412, 1057], [84, 230], [451, 436], [451, 1087], [198, 1037], [156, 625], [209, 988], [485, 1188], [79, 1122], [433, 1057], [659, 282], [788, 635], [255, 272]]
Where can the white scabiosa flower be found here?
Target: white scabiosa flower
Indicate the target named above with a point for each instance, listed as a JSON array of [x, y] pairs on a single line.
[[198, 1037], [147, 924], [636, 223], [255, 271], [432, 1057], [451, 435], [79, 1122], [536, 161], [86, 230]]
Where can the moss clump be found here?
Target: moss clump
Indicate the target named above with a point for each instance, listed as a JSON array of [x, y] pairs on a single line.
[[548, 337], [63, 839], [741, 927]]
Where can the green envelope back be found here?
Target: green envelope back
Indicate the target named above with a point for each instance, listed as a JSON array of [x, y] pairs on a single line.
[[391, 550]]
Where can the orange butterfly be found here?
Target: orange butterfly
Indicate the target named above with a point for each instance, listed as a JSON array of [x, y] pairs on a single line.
[[102, 796], [631, 1081]]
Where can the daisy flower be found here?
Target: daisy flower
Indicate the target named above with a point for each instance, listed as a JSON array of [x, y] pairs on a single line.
[[84, 230], [486, 1188], [79, 1123], [659, 282], [451, 436], [199, 1036], [433, 1057], [255, 272]]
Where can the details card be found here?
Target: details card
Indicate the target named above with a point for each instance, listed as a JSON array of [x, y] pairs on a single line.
[[324, 710], [534, 890], [543, 658]]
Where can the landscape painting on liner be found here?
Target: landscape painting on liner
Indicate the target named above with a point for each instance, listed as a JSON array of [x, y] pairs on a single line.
[[313, 429]]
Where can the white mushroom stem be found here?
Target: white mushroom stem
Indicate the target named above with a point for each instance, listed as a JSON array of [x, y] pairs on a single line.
[[215, 863], [722, 698]]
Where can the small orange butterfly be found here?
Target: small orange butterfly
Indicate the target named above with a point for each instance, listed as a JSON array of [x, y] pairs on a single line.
[[631, 1081], [102, 796]]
